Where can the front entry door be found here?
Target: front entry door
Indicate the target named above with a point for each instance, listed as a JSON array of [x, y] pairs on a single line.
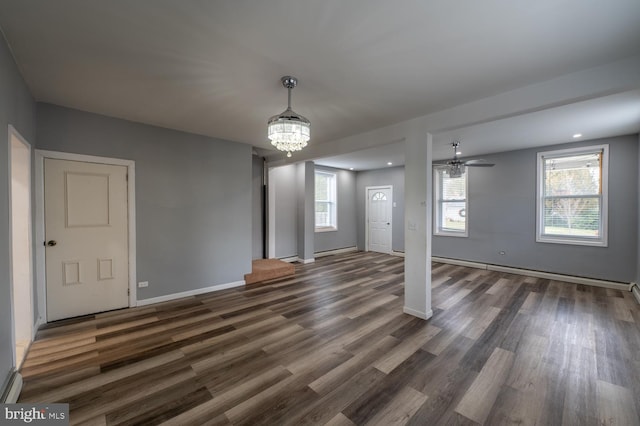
[[379, 219], [86, 232]]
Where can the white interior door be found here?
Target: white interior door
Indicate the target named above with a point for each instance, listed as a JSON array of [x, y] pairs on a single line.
[[379, 219], [86, 237]]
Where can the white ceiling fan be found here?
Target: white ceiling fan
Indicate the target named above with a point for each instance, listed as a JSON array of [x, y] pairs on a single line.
[[456, 167]]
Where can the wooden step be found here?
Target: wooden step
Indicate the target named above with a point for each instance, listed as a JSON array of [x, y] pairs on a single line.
[[268, 269]]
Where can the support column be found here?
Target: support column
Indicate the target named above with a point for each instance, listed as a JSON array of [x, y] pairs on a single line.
[[306, 191], [418, 215]]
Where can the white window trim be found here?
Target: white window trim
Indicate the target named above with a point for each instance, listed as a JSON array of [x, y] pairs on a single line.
[[436, 207], [334, 205], [602, 241]]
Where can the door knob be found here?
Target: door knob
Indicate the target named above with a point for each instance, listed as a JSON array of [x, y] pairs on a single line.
[[51, 243]]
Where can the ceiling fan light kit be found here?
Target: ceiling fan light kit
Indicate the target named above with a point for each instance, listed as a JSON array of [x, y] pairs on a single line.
[[289, 131], [456, 167], [455, 170]]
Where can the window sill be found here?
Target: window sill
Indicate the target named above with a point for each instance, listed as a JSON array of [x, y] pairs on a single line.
[[571, 241], [327, 229], [451, 234]]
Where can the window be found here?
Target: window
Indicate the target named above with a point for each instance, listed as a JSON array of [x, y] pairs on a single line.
[[326, 219], [572, 196], [379, 196], [450, 216]]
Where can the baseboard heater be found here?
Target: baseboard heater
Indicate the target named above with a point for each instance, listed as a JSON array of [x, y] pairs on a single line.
[[317, 254], [12, 388], [537, 274], [335, 251]]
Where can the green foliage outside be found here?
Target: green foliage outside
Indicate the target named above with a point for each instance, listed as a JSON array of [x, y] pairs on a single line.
[[572, 198]]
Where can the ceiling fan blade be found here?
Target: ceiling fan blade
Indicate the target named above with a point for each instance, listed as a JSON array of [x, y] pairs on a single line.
[[478, 163]]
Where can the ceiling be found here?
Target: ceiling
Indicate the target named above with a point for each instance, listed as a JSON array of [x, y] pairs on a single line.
[[214, 67], [605, 116]]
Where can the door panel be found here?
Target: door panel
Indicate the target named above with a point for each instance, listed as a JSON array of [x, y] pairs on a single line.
[[87, 238], [379, 220]]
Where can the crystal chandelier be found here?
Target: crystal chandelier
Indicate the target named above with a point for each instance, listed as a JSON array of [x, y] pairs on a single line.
[[289, 131], [455, 170]]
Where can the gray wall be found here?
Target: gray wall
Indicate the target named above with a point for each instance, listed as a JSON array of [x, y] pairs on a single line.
[[391, 176], [502, 217], [256, 206], [638, 238], [287, 184], [17, 108], [193, 196], [346, 235], [282, 184]]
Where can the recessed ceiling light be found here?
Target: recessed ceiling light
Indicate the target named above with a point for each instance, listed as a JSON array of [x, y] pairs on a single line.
[[389, 163], [577, 135], [350, 168]]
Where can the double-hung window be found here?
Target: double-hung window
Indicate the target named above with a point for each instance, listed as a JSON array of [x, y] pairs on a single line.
[[450, 207], [326, 202], [572, 196]]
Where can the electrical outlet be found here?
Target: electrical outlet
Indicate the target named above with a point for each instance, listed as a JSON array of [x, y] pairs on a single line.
[[143, 284]]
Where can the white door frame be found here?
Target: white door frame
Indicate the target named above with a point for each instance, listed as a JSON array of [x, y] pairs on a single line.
[[33, 327], [366, 215], [40, 231]]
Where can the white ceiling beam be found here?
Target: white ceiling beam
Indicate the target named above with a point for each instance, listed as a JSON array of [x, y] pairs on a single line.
[[604, 80]]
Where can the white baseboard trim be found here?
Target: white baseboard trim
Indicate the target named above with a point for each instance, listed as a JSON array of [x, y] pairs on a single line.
[[635, 291], [195, 292], [538, 274], [11, 392], [36, 327], [290, 259], [305, 261], [419, 314], [336, 251], [397, 253]]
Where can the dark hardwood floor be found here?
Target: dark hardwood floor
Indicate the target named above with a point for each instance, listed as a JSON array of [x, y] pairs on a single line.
[[332, 346]]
